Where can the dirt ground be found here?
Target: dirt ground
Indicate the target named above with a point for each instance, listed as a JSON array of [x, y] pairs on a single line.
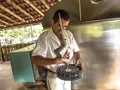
[[7, 82]]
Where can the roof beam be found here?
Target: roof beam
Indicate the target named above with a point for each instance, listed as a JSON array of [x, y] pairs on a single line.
[[4, 22], [44, 2], [2, 25], [16, 6], [36, 9], [7, 17], [9, 11]]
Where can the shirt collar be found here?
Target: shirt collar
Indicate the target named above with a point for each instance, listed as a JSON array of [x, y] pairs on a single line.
[[54, 37]]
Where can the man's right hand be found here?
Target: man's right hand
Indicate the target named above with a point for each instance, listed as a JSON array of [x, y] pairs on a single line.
[[60, 61]]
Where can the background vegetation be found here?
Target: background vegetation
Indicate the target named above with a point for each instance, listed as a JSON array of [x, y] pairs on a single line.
[[25, 34]]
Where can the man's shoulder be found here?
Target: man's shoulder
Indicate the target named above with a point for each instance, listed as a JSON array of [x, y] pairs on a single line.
[[68, 32], [45, 32]]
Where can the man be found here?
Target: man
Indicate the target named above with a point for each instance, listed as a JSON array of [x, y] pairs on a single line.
[[56, 47]]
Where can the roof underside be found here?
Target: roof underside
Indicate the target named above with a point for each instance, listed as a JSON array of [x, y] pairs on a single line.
[[86, 11], [22, 12], [14, 13]]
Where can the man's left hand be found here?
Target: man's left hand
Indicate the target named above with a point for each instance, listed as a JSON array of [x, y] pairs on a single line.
[[79, 63]]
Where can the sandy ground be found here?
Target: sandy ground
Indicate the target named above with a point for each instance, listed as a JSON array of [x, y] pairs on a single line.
[[7, 82]]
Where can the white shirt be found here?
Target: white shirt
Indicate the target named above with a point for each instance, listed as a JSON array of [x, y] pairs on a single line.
[[48, 42]]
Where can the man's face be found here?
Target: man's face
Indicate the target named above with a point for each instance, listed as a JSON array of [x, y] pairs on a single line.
[[57, 28]]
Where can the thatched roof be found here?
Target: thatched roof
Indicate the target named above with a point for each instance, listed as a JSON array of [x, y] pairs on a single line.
[[14, 13]]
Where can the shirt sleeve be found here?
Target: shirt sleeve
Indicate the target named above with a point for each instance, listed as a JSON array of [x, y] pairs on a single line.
[[74, 43], [41, 46]]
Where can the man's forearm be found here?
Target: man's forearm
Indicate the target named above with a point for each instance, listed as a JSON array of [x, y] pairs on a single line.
[[46, 61], [42, 61], [77, 55]]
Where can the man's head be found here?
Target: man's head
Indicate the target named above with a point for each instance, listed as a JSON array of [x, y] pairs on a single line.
[[65, 19]]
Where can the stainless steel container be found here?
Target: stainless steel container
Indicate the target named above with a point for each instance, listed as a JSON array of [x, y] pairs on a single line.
[[100, 49]]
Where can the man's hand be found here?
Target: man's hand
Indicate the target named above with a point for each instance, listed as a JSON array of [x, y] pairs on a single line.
[[60, 61], [79, 63]]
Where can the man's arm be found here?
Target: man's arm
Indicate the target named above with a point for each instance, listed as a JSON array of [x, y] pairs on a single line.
[[42, 61], [78, 59]]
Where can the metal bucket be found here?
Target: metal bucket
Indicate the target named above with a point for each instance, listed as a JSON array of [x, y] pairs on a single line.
[[69, 72]]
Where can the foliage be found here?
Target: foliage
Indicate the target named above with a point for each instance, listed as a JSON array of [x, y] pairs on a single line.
[[20, 35]]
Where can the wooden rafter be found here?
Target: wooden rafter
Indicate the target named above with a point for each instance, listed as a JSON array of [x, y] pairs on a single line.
[[16, 6], [14, 13], [9, 11], [2, 25], [44, 2], [7, 17], [36, 9], [4, 22]]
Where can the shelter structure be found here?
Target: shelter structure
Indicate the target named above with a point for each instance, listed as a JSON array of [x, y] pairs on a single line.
[[15, 13]]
